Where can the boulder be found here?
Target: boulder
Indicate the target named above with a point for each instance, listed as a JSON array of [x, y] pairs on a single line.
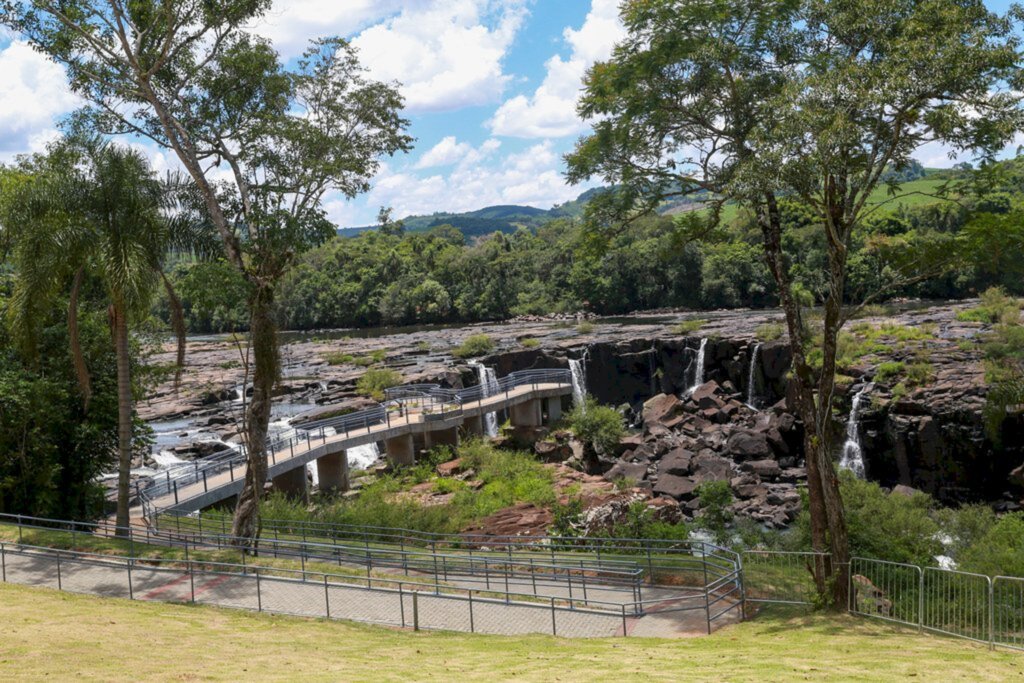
[[705, 391], [748, 445], [661, 408], [631, 471], [710, 467], [680, 488], [676, 462], [765, 469]]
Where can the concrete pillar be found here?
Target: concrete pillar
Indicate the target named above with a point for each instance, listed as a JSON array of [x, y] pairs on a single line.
[[332, 471], [419, 442], [401, 450], [293, 483], [442, 437], [527, 414], [554, 409], [473, 425]]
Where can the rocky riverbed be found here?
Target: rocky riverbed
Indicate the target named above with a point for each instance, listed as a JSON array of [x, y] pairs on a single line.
[[706, 403]]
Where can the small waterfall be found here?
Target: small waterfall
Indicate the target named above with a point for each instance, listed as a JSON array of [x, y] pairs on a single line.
[[578, 369], [755, 355], [359, 458], [852, 459], [489, 385], [698, 375]]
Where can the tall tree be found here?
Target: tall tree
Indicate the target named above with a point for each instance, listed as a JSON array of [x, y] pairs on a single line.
[[92, 209], [814, 100], [263, 144]]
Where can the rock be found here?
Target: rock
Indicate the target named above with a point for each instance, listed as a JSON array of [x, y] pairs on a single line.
[[901, 490], [1017, 475], [676, 462], [450, 468], [765, 469], [630, 471], [705, 391], [710, 467], [680, 488], [748, 445], [661, 408]]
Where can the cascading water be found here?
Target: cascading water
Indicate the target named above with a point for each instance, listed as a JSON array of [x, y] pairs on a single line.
[[852, 458], [755, 356], [489, 386], [359, 458], [698, 375], [578, 370]]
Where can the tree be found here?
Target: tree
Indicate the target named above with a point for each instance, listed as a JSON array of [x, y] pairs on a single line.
[[189, 77], [811, 100], [90, 208]]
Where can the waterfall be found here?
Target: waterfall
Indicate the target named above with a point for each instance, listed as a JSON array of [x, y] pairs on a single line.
[[852, 459], [755, 354], [578, 370], [698, 375], [359, 458], [489, 385]]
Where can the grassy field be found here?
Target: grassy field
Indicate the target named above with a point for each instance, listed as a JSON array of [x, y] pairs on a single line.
[[44, 633]]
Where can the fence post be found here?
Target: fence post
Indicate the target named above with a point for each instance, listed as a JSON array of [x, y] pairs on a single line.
[[59, 584], [624, 620], [415, 611], [991, 614], [327, 597], [472, 629], [192, 581], [131, 593], [920, 599], [206, 486], [401, 604], [3, 561], [259, 596], [554, 627]]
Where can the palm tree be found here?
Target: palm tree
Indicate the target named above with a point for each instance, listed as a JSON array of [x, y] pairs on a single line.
[[89, 208]]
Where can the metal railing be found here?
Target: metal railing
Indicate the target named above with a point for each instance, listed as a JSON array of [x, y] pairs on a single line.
[[432, 402], [598, 592], [960, 604]]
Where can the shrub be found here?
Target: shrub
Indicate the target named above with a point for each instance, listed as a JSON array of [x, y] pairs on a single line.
[[597, 426], [585, 327], [474, 345], [338, 358], [375, 380], [996, 307], [1000, 551], [715, 498], [770, 331], [689, 326], [883, 525], [889, 370], [529, 343]]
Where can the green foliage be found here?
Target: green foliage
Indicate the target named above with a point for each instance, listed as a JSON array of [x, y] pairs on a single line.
[[338, 358], [599, 427], [585, 327], [996, 307], [889, 370], [375, 380], [770, 331], [883, 525], [529, 343], [474, 345], [1000, 551], [689, 326], [715, 498]]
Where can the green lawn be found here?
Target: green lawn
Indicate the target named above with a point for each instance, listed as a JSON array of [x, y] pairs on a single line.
[[44, 633]]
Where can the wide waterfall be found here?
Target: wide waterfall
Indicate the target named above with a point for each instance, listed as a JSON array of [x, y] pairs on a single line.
[[852, 459], [698, 375], [755, 356], [578, 370], [489, 385]]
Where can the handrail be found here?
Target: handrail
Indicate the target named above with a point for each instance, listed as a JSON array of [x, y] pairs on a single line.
[[449, 404]]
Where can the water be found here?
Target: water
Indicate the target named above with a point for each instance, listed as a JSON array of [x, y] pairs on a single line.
[[698, 375], [578, 369], [755, 355], [359, 458], [852, 459], [489, 383]]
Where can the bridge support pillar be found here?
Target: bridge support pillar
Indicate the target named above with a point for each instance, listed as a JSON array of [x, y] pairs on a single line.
[[293, 483], [554, 409], [332, 471], [401, 450], [527, 414], [442, 437], [473, 425]]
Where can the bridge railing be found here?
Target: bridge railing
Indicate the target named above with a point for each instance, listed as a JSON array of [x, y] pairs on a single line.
[[432, 401]]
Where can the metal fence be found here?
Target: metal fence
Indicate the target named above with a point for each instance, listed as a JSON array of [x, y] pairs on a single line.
[[954, 603], [590, 591]]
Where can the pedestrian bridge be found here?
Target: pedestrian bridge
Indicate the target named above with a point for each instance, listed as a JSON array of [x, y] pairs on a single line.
[[424, 414]]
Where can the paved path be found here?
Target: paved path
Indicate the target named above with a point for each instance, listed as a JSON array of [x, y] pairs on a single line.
[[333, 598]]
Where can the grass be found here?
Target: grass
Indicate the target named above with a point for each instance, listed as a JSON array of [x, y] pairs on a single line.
[[474, 345], [529, 343], [585, 327], [689, 326], [375, 380], [177, 642], [339, 358], [770, 331]]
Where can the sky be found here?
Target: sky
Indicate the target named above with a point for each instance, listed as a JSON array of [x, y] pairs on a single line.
[[490, 88]]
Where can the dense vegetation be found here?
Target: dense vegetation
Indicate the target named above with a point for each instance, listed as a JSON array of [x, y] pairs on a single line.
[[395, 276]]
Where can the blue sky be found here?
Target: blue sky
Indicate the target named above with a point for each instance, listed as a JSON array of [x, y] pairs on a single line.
[[490, 88]]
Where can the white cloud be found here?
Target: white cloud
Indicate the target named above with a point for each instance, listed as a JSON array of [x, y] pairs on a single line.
[[531, 177], [551, 110], [33, 94], [291, 23], [450, 151]]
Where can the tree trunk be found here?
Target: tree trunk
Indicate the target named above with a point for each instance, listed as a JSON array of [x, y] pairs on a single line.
[[124, 416], [263, 333]]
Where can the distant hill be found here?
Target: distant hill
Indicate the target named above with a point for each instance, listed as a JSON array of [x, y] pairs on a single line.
[[508, 218]]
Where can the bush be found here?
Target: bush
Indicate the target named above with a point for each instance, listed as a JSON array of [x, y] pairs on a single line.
[[889, 370], [529, 343], [715, 498], [474, 345], [597, 426], [338, 358], [996, 307], [883, 525], [689, 326], [770, 331], [585, 327], [375, 380], [1000, 551]]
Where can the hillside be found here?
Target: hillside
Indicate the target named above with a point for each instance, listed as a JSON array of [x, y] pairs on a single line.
[[507, 218]]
